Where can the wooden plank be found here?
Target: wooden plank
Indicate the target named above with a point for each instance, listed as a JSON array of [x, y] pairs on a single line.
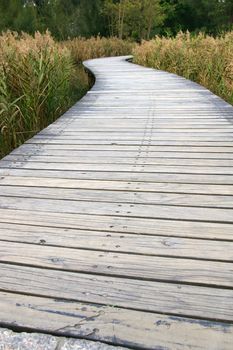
[[160, 151], [168, 212], [112, 324], [133, 186], [118, 242], [154, 227], [139, 157], [120, 196], [134, 138], [128, 134], [97, 112], [169, 298], [142, 153], [88, 141], [206, 273], [121, 176], [159, 129], [218, 170]]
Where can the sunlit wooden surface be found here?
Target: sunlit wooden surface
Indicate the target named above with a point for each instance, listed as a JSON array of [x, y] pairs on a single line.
[[116, 220]]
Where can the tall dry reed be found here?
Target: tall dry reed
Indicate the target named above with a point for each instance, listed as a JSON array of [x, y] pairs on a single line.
[[83, 49], [201, 58], [37, 77]]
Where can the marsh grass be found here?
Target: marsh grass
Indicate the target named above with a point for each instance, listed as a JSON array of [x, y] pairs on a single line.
[[201, 58], [38, 82], [83, 49]]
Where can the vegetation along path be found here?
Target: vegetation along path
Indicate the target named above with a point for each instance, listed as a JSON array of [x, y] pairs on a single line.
[[116, 220]]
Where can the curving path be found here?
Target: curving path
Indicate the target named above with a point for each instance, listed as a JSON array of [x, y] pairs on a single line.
[[116, 220]]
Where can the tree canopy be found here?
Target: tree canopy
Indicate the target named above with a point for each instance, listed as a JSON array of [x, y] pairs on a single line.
[[136, 19]]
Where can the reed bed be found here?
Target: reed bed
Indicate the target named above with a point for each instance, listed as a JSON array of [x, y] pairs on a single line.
[[201, 58], [38, 82], [83, 49]]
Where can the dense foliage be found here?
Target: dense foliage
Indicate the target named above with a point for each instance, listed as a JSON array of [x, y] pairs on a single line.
[[137, 19], [204, 59]]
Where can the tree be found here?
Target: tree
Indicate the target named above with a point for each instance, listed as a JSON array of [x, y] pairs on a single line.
[[15, 15], [115, 12], [138, 19], [152, 17], [210, 16], [227, 10], [91, 20]]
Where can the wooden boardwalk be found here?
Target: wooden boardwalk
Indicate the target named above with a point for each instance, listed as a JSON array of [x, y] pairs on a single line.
[[116, 220]]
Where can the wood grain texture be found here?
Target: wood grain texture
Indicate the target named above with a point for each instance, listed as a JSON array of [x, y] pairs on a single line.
[[134, 186], [114, 325], [126, 242], [119, 264], [136, 167], [151, 227], [116, 221], [159, 211], [117, 196], [171, 298]]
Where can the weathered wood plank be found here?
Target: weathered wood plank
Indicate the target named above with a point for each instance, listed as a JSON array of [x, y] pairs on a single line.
[[191, 229], [119, 242], [121, 176], [176, 142], [134, 138], [141, 160], [133, 186], [123, 196], [130, 125], [112, 324], [160, 151], [177, 270], [115, 155], [175, 299], [120, 210], [134, 134], [148, 168]]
